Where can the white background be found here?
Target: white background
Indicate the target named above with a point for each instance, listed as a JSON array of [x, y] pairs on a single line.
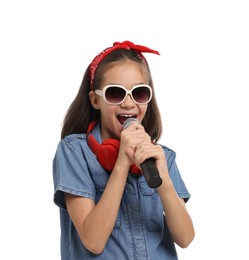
[[201, 80]]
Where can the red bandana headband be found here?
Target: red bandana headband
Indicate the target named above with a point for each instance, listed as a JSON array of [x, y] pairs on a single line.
[[116, 45]]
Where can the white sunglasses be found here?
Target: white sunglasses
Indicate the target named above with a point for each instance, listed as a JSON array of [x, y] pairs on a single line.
[[116, 94]]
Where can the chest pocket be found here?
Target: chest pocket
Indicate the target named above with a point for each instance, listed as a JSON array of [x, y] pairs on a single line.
[[152, 208]]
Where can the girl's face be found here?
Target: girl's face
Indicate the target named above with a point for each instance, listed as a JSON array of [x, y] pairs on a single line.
[[127, 74]]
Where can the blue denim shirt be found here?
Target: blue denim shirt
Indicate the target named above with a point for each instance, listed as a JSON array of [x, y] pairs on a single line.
[[140, 230]]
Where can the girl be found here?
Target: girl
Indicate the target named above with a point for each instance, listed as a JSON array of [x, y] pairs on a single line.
[[107, 209]]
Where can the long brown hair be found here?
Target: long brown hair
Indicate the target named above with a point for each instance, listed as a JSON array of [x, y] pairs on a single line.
[[81, 112]]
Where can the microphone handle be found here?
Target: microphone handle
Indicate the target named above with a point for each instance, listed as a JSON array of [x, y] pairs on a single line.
[[151, 173]]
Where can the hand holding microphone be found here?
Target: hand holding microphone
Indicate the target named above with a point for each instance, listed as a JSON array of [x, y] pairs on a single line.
[[149, 168]]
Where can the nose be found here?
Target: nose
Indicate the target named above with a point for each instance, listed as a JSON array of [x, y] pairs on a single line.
[[128, 102]]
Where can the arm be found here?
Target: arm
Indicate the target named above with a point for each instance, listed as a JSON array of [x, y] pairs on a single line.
[[178, 220], [95, 222]]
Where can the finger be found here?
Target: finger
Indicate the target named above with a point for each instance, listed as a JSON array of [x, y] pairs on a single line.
[[134, 126], [147, 150]]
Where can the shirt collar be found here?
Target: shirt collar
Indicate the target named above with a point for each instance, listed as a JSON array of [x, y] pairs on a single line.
[[96, 133]]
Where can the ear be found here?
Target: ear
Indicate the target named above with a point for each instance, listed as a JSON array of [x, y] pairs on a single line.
[[94, 99]]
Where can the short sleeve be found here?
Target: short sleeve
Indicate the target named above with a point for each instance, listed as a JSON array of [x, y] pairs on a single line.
[[175, 175], [70, 173]]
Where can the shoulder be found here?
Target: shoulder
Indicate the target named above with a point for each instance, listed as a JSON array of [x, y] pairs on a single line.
[[75, 141], [169, 153], [73, 138], [167, 150]]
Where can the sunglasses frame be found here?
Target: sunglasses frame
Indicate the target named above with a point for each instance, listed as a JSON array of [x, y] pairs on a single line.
[[127, 92]]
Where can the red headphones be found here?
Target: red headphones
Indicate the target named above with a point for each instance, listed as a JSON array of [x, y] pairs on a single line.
[[107, 151]]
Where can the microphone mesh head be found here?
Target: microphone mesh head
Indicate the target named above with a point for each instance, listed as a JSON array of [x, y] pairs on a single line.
[[130, 121]]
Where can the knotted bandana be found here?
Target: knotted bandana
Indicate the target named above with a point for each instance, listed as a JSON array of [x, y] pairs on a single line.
[[116, 45]]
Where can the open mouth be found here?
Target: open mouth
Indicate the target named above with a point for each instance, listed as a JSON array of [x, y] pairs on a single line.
[[122, 117]]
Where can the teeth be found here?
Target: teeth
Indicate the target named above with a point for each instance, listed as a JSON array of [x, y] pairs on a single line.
[[127, 115]]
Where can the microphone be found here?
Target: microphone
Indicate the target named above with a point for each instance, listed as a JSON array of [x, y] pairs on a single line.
[[149, 168]]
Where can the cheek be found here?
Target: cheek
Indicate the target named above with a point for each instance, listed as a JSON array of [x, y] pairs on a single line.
[[106, 110], [143, 110]]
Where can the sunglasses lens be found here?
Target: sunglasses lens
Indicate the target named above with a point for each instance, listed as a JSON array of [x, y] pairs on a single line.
[[115, 94], [141, 94]]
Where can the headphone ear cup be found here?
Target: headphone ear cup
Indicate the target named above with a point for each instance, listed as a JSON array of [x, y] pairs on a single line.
[[134, 169], [108, 153]]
